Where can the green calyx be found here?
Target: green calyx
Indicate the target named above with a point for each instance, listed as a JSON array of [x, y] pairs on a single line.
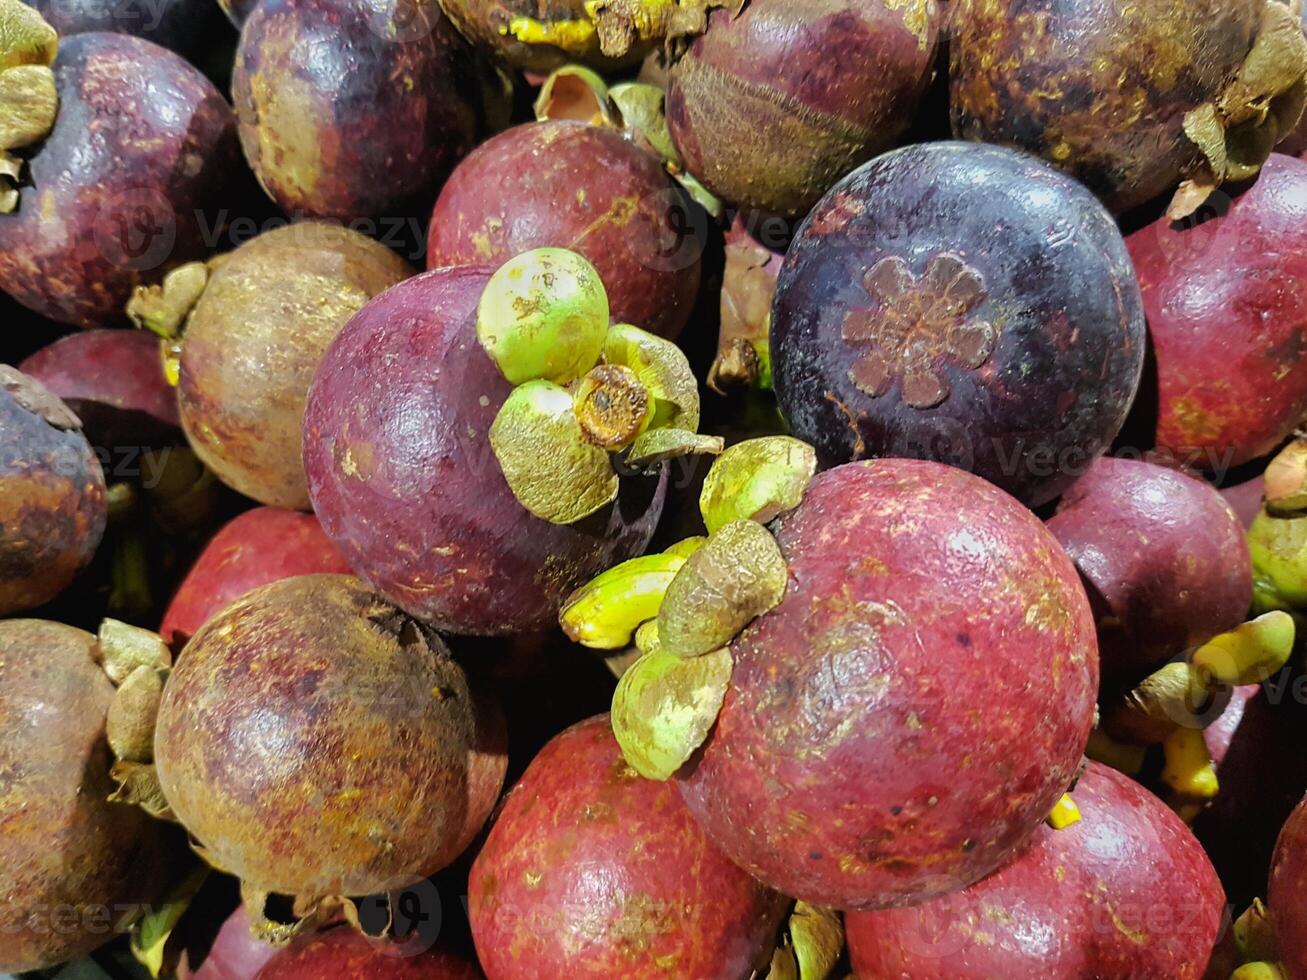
[[1286, 480], [584, 390], [810, 945], [757, 480], [664, 707], [29, 97], [1278, 546], [605, 613]]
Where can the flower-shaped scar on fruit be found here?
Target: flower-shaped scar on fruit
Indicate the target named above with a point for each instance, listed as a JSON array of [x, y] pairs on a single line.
[[588, 395]]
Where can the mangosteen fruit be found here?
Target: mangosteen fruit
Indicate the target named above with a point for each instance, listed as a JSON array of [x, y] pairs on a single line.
[[115, 383], [261, 319], [1287, 895], [75, 866], [567, 184], [344, 954], [129, 148], [1230, 340], [353, 110], [318, 742], [52, 494], [1125, 891], [235, 953], [176, 24], [262, 545], [961, 303], [1130, 98], [772, 105], [481, 442], [844, 714], [1163, 558], [592, 871]]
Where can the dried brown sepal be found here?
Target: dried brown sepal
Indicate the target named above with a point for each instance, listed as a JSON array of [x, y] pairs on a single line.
[[1175, 696], [129, 725], [122, 648], [612, 406], [25, 37], [163, 309], [578, 93], [734, 578], [1286, 480], [138, 785], [1239, 130], [554, 472], [664, 707], [659, 445], [37, 398], [622, 24], [748, 285], [311, 912]]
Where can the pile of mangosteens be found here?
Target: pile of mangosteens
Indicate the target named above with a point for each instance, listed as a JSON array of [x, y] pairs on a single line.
[[742, 489]]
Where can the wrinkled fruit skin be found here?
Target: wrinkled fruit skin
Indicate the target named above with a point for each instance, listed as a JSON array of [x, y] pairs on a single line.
[[1029, 74], [142, 146], [1026, 385], [1230, 340], [771, 107], [485, 23], [317, 741], [563, 184], [592, 871], [1163, 558], [1256, 746], [175, 24], [71, 863], [114, 381], [52, 501], [396, 447], [353, 111], [344, 954], [885, 738], [1126, 892], [1288, 894], [254, 340], [262, 545]]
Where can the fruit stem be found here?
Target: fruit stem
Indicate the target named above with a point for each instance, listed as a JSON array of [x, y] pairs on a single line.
[[1188, 768], [613, 406]]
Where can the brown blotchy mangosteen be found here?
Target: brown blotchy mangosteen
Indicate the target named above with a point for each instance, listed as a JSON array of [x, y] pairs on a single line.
[[1125, 892], [908, 715], [774, 104], [52, 494], [403, 478], [592, 871], [253, 341], [564, 184], [317, 741], [72, 864], [1099, 88], [1227, 323], [119, 191], [353, 110], [1164, 559], [962, 303]]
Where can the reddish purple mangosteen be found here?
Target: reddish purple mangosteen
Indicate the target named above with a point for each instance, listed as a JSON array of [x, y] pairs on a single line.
[[777, 101], [235, 953], [1287, 896], [1230, 339], [905, 719], [353, 110], [571, 185], [1124, 892], [962, 303], [592, 871], [124, 186], [1163, 557], [114, 381], [403, 477], [176, 24], [343, 953], [262, 545]]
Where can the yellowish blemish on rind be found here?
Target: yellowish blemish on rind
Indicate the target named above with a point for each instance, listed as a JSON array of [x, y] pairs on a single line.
[[916, 18]]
